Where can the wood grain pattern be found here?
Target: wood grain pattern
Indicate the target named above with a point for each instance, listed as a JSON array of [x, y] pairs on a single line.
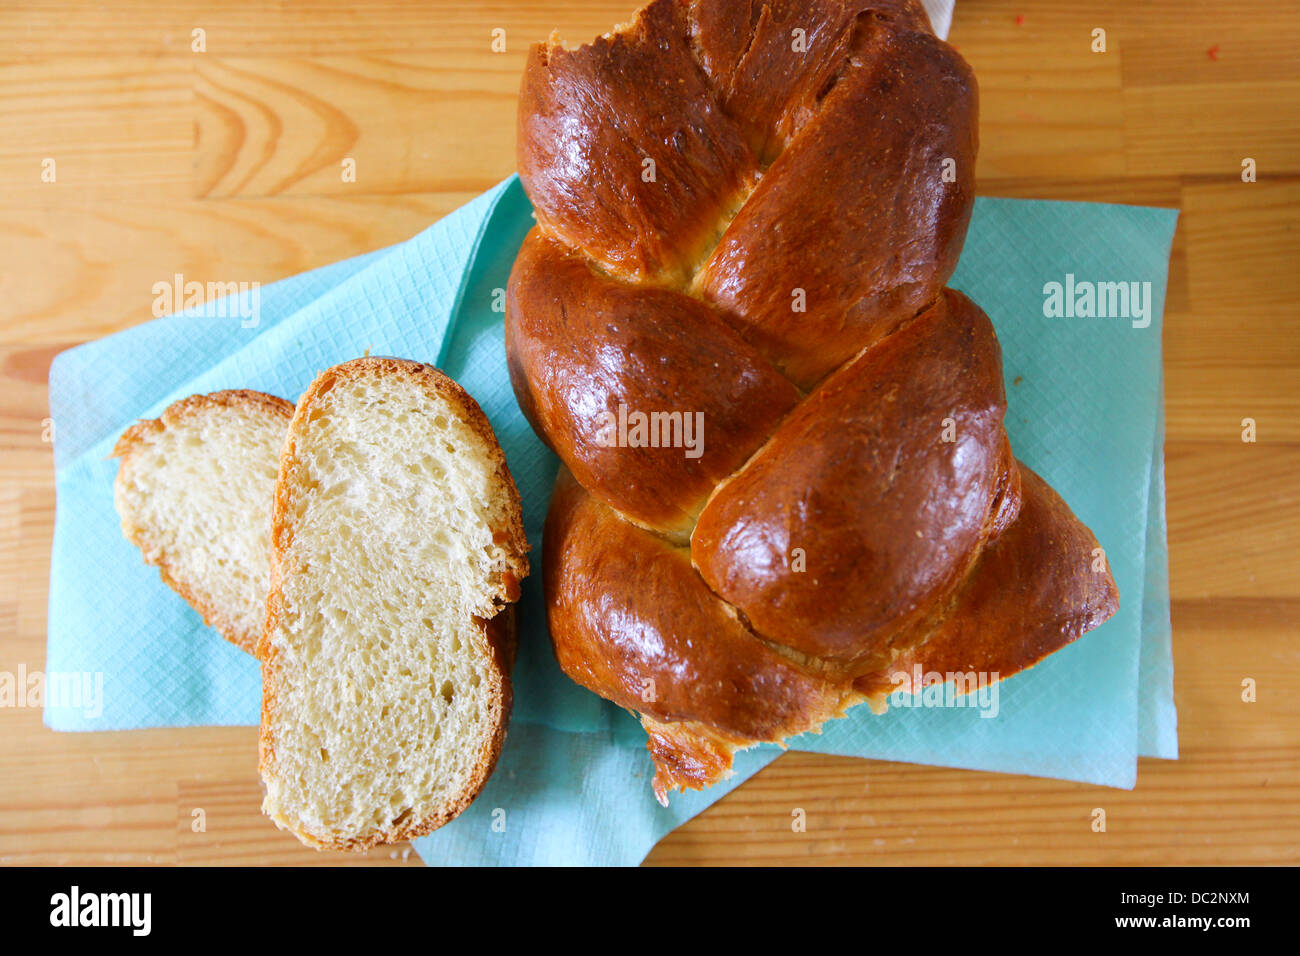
[[456, 127], [108, 255], [225, 165]]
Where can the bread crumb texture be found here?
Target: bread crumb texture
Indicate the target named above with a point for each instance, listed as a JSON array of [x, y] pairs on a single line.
[[397, 534], [194, 492]]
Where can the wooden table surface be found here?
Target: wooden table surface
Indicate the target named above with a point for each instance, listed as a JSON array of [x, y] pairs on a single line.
[[226, 163]]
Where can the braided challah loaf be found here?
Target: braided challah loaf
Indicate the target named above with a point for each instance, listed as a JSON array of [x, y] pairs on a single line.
[[744, 226]]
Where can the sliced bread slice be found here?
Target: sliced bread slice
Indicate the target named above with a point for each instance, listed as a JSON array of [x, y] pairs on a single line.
[[397, 549], [194, 491]]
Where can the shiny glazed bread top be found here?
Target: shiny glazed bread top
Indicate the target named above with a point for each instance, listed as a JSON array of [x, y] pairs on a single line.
[[747, 213]]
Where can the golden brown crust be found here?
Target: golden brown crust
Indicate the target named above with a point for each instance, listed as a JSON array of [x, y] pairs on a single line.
[[863, 514], [665, 646], [767, 85], [498, 633], [1038, 587], [688, 755], [142, 433], [718, 688], [650, 337], [688, 157], [837, 213], [871, 433]]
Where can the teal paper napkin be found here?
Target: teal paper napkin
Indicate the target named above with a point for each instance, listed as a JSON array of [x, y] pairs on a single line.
[[572, 785]]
